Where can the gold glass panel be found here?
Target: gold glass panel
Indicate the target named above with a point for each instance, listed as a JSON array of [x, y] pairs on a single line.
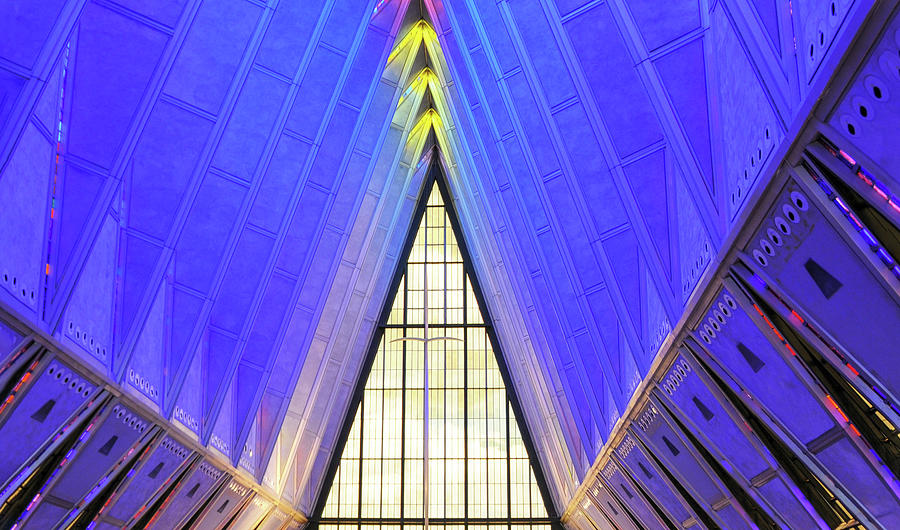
[[477, 462]]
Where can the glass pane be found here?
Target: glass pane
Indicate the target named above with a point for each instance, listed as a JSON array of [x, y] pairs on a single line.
[[477, 464]]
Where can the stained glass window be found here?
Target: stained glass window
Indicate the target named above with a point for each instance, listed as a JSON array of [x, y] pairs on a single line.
[[475, 463]]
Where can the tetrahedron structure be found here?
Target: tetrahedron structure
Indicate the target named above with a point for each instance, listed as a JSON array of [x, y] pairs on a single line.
[[432, 438]]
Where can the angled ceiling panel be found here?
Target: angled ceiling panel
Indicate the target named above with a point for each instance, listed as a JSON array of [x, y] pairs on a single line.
[[146, 373], [647, 179], [88, 322], [662, 23], [750, 121], [249, 126], [683, 72], [24, 183], [153, 202], [46, 108], [115, 56], [211, 53], [621, 99], [590, 168], [31, 30]]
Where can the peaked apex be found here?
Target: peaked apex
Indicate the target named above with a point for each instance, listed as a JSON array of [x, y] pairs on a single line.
[[414, 38]]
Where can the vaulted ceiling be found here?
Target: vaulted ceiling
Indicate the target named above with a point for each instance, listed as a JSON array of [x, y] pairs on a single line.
[[205, 200]]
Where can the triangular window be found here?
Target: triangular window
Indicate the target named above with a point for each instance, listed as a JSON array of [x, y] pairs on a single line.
[[478, 469]]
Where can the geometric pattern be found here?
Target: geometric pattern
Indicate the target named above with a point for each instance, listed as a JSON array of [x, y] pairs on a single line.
[[434, 369]]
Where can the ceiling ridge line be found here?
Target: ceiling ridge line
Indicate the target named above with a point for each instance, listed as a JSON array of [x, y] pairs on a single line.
[[431, 88], [543, 375], [248, 424], [317, 383]]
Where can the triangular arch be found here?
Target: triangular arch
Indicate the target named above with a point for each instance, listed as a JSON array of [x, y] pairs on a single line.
[[482, 467], [426, 124]]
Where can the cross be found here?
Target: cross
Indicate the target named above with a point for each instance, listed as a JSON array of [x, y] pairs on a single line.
[[425, 342]]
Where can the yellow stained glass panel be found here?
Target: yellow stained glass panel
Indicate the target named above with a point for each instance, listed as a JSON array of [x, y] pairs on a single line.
[[478, 465]]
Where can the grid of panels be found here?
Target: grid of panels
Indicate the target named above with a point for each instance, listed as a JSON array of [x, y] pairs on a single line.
[[398, 526], [479, 474]]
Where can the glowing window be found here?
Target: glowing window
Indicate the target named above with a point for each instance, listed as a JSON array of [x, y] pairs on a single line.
[[475, 462]]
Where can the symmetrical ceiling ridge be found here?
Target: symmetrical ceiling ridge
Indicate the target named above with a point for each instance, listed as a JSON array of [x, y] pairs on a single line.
[[437, 98]]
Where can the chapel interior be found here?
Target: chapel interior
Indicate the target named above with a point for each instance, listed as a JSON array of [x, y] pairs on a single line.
[[487, 264]]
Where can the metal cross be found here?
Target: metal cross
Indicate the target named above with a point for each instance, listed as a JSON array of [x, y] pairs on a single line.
[[425, 342]]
